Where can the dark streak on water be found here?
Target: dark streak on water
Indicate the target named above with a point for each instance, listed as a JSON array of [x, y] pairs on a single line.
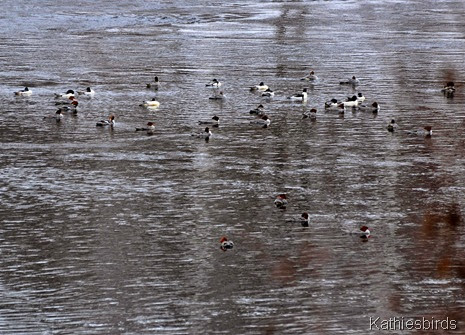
[[114, 232]]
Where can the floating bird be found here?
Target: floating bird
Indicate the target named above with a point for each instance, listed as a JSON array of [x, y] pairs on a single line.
[[57, 117], [88, 92], [151, 103], [260, 87], [392, 126], [110, 122], [225, 244], [150, 128], [263, 121], [67, 95], [374, 107], [311, 114], [206, 134], [214, 83], [155, 85], [352, 81], [281, 201], [299, 96], [215, 121], [260, 110], [24, 92], [312, 77]]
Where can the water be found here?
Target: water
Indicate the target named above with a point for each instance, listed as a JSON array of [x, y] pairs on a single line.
[[115, 232]]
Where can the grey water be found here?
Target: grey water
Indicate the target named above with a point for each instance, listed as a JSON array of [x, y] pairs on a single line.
[[111, 231]]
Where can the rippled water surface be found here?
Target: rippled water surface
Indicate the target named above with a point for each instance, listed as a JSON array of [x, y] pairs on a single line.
[[111, 231]]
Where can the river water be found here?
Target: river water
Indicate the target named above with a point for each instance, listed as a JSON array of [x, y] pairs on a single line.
[[111, 231]]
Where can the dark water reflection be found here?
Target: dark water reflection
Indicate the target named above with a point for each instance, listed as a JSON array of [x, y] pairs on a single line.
[[115, 232]]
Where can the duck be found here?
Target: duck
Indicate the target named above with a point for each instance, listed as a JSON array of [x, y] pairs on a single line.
[[110, 122], [299, 96], [311, 114], [332, 104], [360, 97], [268, 93], [312, 77], [57, 117], [427, 131], [214, 83], [260, 110], [70, 101], [363, 232], [206, 134], [374, 107], [68, 109], [218, 96], [351, 102], [226, 244], [24, 92], [155, 85], [352, 81], [88, 92], [392, 126], [304, 219], [281, 201], [449, 89], [260, 87], [215, 121], [150, 128], [67, 95], [263, 121], [151, 103]]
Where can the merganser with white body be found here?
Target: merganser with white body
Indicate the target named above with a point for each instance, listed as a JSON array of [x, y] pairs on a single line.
[[151, 103], [260, 110], [281, 201], [299, 96], [360, 97], [312, 77], [155, 85], [24, 92], [263, 121], [332, 104], [215, 121], [206, 134], [260, 87], [352, 81], [311, 114], [225, 244], [150, 128], [351, 102], [268, 93], [214, 83], [305, 219], [449, 88], [57, 117], [374, 107], [67, 95], [392, 126], [88, 92], [110, 122], [218, 96]]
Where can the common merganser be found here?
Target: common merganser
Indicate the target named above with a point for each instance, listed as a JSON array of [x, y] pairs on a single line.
[[449, 89], [89, 92], [260, 87], [70, 101], [312, 77], [305, 219], [225, 244], [110, 122], [150, 128], [351, 102], [268, 93], [57, 117], [155, 85], [151, 103], [374, 107], [299, 96], [392, 126], [360, 97], [215, 121], [206, 134], [260, 110], [363, 232], [352, 81], [281, 201], [67, 95], [218, 96], [263, 121], [426, 132], [214, 83], [332, 104], [24, 92], [311, 114], [68, 109]]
